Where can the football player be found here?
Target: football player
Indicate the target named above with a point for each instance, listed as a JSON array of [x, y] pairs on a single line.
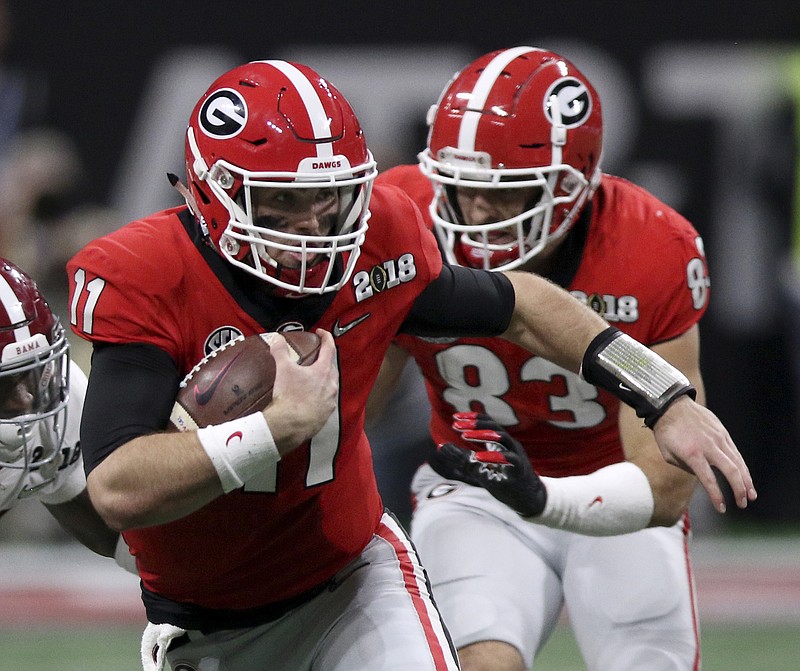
[[262, 542], [41, 395], [511, 179]]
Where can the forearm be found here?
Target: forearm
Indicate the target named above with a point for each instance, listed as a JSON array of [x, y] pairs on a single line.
[[546, 324], [162, 476], [616, 499], [644, 491], [79, 518], [153, 479]]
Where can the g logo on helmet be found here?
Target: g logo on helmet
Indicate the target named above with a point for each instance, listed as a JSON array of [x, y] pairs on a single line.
[[223, 114], [574, 101]]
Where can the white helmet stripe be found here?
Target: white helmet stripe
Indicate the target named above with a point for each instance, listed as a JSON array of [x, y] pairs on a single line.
[[14, 309], [320, 122], [477, 101]]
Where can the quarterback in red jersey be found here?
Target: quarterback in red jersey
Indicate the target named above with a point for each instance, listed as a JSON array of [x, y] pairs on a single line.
[[511, 179], [262, 542]]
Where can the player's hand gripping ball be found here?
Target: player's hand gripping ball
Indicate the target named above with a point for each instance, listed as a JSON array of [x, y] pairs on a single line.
[[236, 379]]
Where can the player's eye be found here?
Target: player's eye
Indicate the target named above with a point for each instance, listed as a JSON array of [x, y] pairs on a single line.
[[325, 196], [9, 383], [272, 223]]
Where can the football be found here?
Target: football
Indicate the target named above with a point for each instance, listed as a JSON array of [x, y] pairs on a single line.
[[235, 380]]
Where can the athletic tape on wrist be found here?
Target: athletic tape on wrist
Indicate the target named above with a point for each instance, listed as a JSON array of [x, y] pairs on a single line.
[[615, 499], [239, 449], [634, 373]]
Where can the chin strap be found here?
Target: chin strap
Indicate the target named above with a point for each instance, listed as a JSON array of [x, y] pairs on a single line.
[[175, 181]]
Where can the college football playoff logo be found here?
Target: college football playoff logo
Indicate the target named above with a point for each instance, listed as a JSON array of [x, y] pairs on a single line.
[[573, 99], [223, 114]]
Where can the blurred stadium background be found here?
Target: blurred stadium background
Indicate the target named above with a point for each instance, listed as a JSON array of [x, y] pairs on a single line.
[[702, 106]]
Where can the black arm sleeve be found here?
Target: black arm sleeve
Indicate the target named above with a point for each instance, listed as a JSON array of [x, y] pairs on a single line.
[[131, 392], [462, 302]]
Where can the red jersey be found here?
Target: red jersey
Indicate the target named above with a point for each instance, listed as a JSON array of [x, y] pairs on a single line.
[[642, 267], [288, 531]]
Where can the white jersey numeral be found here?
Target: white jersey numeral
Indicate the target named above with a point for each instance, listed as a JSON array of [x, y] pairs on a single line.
[[475, 374], [94, 288], [323, 449]]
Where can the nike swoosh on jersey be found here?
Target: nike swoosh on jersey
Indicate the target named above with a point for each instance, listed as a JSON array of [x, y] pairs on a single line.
[[204, 396], [339, 330]]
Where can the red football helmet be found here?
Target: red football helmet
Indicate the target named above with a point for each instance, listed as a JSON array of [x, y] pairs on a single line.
[[274, 124], [520, 117], [34, 376]]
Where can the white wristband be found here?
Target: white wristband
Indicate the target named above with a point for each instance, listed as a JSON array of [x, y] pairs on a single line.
[[616, 499], [239, 449]]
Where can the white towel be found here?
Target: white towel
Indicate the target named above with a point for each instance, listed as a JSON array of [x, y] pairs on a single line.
[[155, 642]]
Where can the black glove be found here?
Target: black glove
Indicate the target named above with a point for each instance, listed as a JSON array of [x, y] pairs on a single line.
[[498, 463]]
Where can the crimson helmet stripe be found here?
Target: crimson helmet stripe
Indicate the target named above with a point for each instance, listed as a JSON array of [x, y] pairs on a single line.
[[320, 121], [13, 307], [477, 102]]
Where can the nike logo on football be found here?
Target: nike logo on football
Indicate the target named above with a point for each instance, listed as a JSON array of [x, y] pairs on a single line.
[[598, 500], [339, 330], [204, 396]]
